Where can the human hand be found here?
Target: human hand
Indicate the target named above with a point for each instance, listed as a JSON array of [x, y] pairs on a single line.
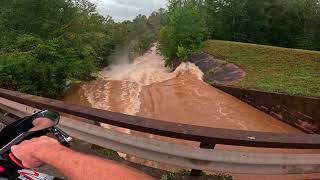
[[27, 151], [41, 123]]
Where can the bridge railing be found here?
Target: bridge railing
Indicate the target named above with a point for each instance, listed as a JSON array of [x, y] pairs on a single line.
[[174, 154]]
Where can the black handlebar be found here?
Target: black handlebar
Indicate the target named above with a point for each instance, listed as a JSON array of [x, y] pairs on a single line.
[[17, 132]]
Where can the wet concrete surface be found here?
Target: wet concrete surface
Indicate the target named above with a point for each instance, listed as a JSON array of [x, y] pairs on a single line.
[[216, 70]]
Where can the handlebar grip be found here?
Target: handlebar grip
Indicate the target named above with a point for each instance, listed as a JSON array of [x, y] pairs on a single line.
[[16, 161]]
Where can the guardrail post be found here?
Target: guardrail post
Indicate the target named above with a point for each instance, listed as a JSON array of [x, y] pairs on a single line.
[[203, 145]]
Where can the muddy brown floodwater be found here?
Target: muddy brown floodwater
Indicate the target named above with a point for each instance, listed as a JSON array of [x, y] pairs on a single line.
[[146, 88]]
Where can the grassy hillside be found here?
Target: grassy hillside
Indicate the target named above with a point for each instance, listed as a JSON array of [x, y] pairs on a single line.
[[272, 69]]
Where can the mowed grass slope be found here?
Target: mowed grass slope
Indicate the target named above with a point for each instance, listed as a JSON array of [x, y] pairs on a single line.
[[272, 69]]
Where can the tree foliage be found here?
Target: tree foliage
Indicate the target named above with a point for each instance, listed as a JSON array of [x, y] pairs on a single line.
[[184, 31], [144, 31], [46, 44], [285, 23]]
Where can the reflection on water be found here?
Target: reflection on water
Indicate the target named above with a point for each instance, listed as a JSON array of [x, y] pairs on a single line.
[[146, 88]]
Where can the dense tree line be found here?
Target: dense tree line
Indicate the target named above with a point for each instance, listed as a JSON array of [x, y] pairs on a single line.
[[45, 45], [143, 31], [286, 23]]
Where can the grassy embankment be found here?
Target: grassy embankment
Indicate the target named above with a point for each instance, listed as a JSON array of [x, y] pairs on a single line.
[[271, 69]]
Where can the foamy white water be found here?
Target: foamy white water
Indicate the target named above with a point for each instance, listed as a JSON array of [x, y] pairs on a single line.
[[144, 71]]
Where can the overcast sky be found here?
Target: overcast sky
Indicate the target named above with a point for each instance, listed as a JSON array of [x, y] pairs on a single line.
[[128, 9]]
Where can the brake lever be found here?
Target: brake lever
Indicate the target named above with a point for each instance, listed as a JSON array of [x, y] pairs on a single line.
[[20, 138], [62, 137], [15, 163], [5, 151]]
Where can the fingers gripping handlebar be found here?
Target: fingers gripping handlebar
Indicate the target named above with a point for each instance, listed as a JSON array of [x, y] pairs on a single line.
[[27, 128]]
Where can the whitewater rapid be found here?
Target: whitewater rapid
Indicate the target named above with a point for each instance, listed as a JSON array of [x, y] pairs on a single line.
[[130, 78]]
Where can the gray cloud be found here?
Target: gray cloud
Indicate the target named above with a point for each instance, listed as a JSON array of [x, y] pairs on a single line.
[[128, 9]]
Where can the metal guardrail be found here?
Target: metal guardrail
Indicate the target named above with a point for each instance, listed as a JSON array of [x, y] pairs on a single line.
[[180, 155], [201, 134], [205, 159]]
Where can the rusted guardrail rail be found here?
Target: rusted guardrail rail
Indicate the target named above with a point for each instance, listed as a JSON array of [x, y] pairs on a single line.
[[208, 137]]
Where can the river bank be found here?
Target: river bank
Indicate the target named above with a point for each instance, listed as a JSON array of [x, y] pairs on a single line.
[[271, 69], [216, 70]]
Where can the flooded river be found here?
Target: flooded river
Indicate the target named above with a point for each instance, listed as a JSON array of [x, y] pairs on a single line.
[[146, 88]]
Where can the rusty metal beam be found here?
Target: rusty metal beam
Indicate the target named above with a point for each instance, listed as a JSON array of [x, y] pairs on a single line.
[[174, 130]]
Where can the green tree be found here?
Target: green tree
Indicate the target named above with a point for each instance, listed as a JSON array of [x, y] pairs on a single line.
[[184, 32], [46, 44]]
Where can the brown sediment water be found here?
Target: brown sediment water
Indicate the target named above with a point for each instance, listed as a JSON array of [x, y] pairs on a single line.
[[146, 88]]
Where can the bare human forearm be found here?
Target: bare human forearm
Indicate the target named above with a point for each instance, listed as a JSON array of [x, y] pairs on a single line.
[[78, 166], [74, 165]]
